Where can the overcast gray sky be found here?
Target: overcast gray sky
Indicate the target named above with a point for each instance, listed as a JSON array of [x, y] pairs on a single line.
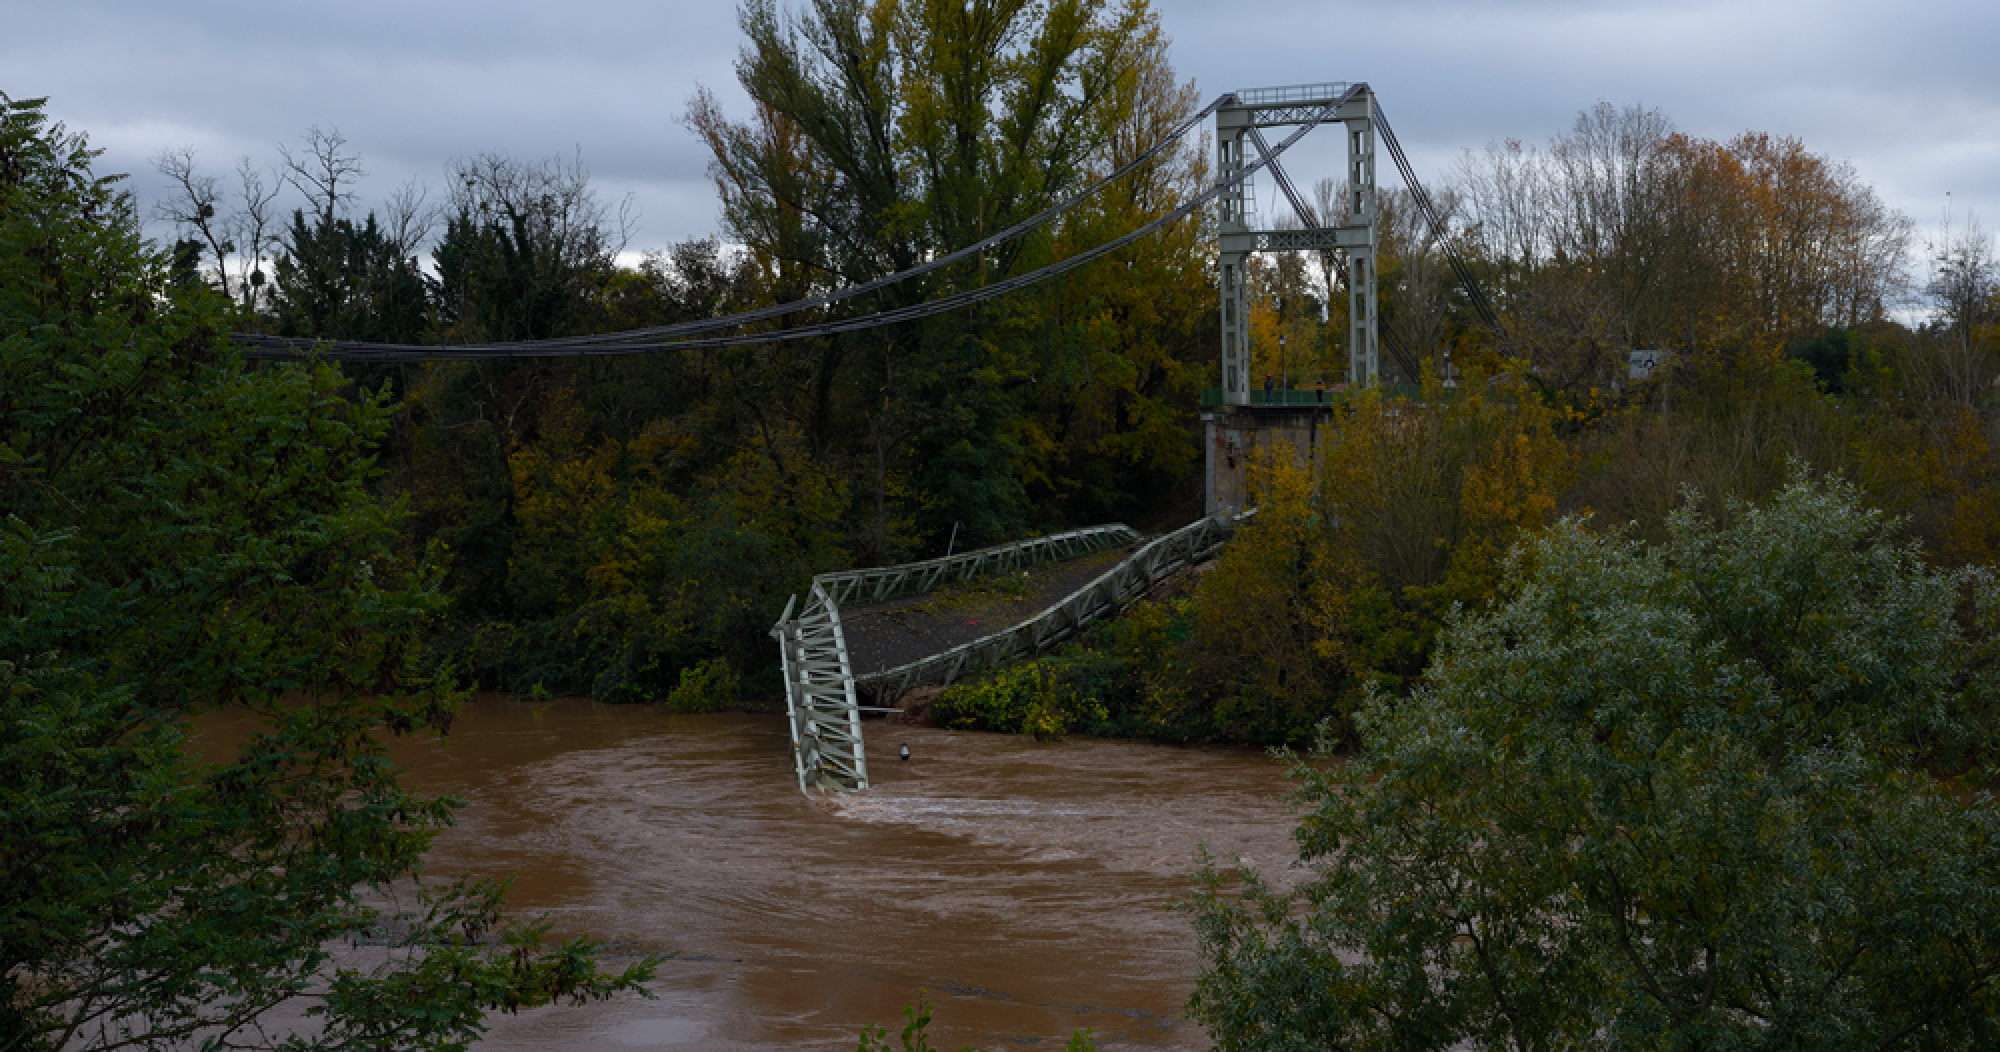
[[1908, 92]]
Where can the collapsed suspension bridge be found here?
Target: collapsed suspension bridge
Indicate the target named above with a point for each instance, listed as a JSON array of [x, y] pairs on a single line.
[[822, 693]]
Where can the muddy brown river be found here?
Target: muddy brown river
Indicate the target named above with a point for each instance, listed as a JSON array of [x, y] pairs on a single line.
[[1024, 886]]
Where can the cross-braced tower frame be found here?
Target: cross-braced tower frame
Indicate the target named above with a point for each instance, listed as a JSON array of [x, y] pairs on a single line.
[[1237, 124]]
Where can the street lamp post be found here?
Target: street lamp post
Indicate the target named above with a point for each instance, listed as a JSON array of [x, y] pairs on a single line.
[[1284, 375]]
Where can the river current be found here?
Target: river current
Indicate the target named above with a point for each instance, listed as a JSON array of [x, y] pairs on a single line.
[[1023, 886]]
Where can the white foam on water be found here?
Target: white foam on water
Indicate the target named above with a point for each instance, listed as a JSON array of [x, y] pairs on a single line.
[[874, 807]]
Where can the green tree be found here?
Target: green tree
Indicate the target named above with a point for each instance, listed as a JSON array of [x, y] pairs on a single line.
[[527, 248], [1697, 795], [339, 280], [885, 133], [1828, 356], [496, 282], [185, 533], [1108, 425]]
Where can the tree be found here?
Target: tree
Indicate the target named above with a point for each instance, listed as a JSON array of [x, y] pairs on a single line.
[[324, 171], [1965, 280], [1343, 578], [885, 133], [186, 533], [1417, 313], [526, 247], [1953, 356], [1124, 345], [238, 239], [340, 280], [1710, 794], [1625, 234]]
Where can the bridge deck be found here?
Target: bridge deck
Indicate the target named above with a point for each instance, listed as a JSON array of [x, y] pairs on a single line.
[[884, 635], [823, 684]]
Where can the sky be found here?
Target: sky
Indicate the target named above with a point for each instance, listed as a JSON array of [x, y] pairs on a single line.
[[1908, 93]]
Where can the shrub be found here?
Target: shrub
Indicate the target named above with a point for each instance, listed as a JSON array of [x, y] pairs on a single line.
[[1035, 698], [1686, 796], [705, 687]]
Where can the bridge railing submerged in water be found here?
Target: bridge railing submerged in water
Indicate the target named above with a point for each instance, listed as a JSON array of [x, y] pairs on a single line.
[[822, 694]]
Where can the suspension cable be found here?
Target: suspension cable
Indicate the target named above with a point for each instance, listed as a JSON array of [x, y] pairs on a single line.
[[1437, 225], [277, 348], [264, 344], [1396, 349], [1284, 180]]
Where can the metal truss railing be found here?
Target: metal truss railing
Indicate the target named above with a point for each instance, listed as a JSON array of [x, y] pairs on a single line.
[[1293, 93], [890, 582], [821, 689], [820, 701], [824, 715], [1116, 587]]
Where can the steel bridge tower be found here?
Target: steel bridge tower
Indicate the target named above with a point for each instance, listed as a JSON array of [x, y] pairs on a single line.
[[1242, 420], [1237, 124]]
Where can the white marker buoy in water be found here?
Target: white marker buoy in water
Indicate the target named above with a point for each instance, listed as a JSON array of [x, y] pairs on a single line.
[[906, 752]]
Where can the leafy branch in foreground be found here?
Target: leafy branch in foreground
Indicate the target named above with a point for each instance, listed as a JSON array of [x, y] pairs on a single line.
[[1721, 793], [185, 535]]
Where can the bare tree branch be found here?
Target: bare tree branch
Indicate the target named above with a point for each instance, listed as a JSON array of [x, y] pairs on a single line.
[[324, 171]]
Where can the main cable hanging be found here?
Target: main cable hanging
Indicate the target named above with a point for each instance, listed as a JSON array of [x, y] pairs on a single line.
[[618, 344], [810, 303]]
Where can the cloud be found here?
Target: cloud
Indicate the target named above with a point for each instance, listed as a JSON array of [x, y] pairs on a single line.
[[1905, 94], [410, 85]]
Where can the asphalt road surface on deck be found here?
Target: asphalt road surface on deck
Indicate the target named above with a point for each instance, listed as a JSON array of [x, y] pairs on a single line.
[[884, 635]]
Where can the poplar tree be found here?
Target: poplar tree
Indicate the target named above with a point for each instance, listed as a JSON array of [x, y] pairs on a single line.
[[886, 133]]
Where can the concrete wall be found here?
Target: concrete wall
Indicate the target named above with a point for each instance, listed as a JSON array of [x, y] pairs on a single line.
[[1236, 433]]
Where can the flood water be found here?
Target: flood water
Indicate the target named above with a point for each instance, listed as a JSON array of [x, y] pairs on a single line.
[[1023, 885]]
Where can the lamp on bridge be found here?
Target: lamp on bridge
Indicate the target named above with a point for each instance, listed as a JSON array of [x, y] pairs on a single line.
[[1284, 375]]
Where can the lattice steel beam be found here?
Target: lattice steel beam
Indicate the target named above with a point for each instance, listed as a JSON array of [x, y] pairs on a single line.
[[821, 703], [1110, 591], [1276, 107], [890, 582], [1342, 238]]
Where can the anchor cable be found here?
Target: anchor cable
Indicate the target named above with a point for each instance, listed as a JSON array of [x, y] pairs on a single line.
[[1437, 225]]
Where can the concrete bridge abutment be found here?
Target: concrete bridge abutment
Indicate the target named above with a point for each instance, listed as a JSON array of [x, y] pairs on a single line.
[[1237, 435]]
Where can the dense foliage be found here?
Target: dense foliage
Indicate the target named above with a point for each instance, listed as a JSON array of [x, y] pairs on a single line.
[[1698, 794], [1693, 774], [1033, 698], [1339, 584], [886, 133], [186, 537], [607, 527]]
